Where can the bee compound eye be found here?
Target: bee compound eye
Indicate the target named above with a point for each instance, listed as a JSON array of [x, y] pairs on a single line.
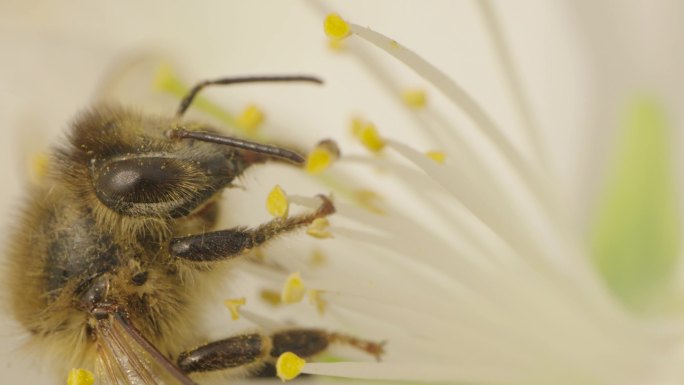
[[136, 180], [160, 186]]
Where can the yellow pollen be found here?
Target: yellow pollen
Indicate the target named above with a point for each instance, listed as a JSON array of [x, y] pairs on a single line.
[[319, 228], [271, 297], [80, 377], [293, 290], [39, 166], [277, 203], [234, 306], [315, 299], [356, 127], [251, 118], [289, 366], [318, 259], [335, 27], [370, 138], [325, 153], [437, 156], [414, 98], [369, 200]]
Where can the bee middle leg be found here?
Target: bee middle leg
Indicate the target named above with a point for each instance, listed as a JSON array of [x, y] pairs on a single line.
[[256, 349], [225, 244]]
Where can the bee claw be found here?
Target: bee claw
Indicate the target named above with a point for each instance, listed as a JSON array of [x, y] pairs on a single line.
[[326, 208], [377, 350]]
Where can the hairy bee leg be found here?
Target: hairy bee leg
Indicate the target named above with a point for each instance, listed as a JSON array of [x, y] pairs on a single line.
[[225, 244], [255, 348], [309, 342]]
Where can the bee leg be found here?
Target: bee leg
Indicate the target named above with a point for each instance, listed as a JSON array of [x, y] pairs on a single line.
[[226, 244], [228, 353], [309, 342], [256, 349]]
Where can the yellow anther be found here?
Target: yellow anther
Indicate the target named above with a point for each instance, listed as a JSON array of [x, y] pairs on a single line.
[[414, 98], [271, 297], [319, 228], [165, 80], [335, 27], [356, 127], [316, 299], [318, 259], [80, 377], [163, 76], [258, 254], [369, 200], [289, 366], [234, 306], [321, 157], [370, 138], [39, 166], [293, 289], [437, 156], [251, 118], [395, 44], [318, 160], [277, 203]]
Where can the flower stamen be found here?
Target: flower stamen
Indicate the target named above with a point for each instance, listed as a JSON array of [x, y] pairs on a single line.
[[293, 289], [233, 306], [277, 203], [320, 228], [270, 297], [414, 98], [289, 366], [251, 118], [368, 136], [438, 156], [322, 156], [316, 299], [335, 27]]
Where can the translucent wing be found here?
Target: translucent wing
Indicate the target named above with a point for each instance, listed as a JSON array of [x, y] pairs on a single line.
[[125, 357]]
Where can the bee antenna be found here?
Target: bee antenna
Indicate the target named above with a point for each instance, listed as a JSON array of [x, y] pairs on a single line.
[[187, 100], [260, 148]]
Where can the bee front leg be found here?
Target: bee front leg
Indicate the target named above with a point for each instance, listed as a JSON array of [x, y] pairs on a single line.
[[255, 349], [225, 244]]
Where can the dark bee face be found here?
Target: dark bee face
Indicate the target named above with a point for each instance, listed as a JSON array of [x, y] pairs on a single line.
[[136, 170]]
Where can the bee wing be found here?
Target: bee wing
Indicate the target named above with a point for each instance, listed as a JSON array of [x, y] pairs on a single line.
[[125, 357]]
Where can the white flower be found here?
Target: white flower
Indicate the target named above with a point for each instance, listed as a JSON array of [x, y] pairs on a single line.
[[479, 269]]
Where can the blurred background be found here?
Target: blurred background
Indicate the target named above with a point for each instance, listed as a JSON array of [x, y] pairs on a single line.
[[585, 68]]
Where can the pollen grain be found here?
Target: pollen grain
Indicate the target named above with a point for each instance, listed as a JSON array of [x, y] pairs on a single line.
[[289, 366]]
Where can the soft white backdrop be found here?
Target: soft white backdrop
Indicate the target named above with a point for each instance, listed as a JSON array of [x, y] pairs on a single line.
[[55, 55]]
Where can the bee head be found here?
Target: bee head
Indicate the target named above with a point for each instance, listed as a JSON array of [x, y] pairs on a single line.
[[143, 167]]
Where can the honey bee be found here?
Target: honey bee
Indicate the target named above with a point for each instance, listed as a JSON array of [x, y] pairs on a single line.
[[112, 252]]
